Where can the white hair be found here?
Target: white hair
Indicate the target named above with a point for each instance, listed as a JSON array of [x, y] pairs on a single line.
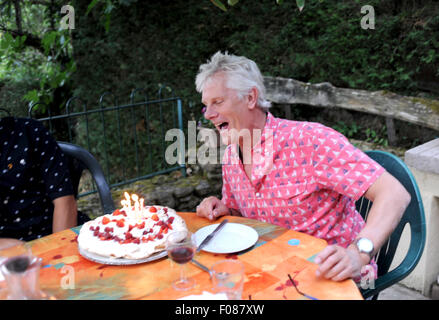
[[242, 74]]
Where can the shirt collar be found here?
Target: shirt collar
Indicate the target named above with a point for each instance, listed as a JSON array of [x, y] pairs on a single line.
[[262, 153]]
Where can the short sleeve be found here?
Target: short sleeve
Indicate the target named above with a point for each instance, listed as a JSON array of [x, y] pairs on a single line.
[[340, 166], [53, 163]]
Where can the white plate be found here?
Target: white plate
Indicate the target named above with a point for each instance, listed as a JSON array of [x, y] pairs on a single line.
[[119, 261], [233, 237]]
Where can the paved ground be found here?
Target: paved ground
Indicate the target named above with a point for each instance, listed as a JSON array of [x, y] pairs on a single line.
[[400, 292]]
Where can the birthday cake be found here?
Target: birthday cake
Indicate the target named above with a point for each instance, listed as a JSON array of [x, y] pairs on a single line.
[[135, 231]]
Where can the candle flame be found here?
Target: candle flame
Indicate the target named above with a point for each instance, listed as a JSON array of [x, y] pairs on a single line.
[[127, 196], [136, 208]]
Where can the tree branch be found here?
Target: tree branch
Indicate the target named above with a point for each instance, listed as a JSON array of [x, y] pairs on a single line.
[[18, 18]]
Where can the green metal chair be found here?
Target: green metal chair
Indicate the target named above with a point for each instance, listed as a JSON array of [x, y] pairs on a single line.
[[413, 216]]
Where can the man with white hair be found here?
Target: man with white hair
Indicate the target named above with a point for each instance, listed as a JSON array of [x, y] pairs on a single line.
[[299, 175]]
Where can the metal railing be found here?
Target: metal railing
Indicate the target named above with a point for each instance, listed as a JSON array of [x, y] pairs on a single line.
[[128, 139]]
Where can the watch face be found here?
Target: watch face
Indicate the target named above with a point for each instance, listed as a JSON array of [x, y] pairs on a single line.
[[365, 245]]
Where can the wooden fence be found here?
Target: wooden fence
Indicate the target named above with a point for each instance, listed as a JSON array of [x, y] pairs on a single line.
[[420, 111]]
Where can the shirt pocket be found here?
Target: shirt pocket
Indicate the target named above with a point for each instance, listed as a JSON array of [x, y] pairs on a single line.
[[287, 191]]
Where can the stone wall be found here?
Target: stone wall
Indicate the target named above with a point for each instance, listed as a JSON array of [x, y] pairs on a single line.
[[185, 194], [423, 161]]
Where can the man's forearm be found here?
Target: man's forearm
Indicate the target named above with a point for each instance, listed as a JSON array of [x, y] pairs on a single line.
[[380, 226], [389, 203], [65, 213]]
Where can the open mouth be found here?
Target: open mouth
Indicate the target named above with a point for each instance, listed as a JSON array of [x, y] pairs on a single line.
[[223, 126]]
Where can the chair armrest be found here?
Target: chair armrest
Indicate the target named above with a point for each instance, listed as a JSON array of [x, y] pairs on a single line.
[[400, 272], [385, 281]]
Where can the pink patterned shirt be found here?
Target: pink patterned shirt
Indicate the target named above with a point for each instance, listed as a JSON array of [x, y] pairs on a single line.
[[305, 177]]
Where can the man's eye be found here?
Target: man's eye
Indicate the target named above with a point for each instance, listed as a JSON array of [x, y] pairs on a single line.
[[218, 101]]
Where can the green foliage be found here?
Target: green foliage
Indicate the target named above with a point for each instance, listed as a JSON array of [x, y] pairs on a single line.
[[106, 8], [348, 130], [352, 130], [378, 138], [34, 52], [219, 4], [300, 3], [326, 43], [52, 74], [10, 51]]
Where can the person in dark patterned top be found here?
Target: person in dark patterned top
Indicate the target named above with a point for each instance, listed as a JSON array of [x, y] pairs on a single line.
[[36, 194]]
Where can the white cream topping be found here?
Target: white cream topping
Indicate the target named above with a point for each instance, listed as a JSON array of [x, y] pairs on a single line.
[[118, 228]]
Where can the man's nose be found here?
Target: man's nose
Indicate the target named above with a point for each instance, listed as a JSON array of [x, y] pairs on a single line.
[[209, 114]]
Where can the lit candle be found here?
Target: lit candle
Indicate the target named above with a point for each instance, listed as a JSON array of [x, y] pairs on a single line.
[[138, 206], [141, 204], [127, 202], [136, 202]]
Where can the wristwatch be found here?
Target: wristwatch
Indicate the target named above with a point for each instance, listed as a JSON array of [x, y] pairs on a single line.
[[365, 245]]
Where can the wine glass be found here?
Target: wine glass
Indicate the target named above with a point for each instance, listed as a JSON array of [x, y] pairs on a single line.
[[181, 247], [16, 260]]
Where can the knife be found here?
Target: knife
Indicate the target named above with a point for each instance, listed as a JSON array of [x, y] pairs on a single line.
[[211, 235], [201, 266]]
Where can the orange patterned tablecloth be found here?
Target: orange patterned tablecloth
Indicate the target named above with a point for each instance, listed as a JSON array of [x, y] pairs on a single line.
[[278, 252]]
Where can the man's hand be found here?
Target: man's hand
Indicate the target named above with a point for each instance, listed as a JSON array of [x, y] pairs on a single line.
[[337, 263], [212, 208]]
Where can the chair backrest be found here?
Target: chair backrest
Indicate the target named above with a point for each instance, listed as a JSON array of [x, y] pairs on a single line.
[[80, 159], [5, 111], [413, 216]]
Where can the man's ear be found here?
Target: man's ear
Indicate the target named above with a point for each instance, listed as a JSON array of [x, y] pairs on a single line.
[[252, 98]]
